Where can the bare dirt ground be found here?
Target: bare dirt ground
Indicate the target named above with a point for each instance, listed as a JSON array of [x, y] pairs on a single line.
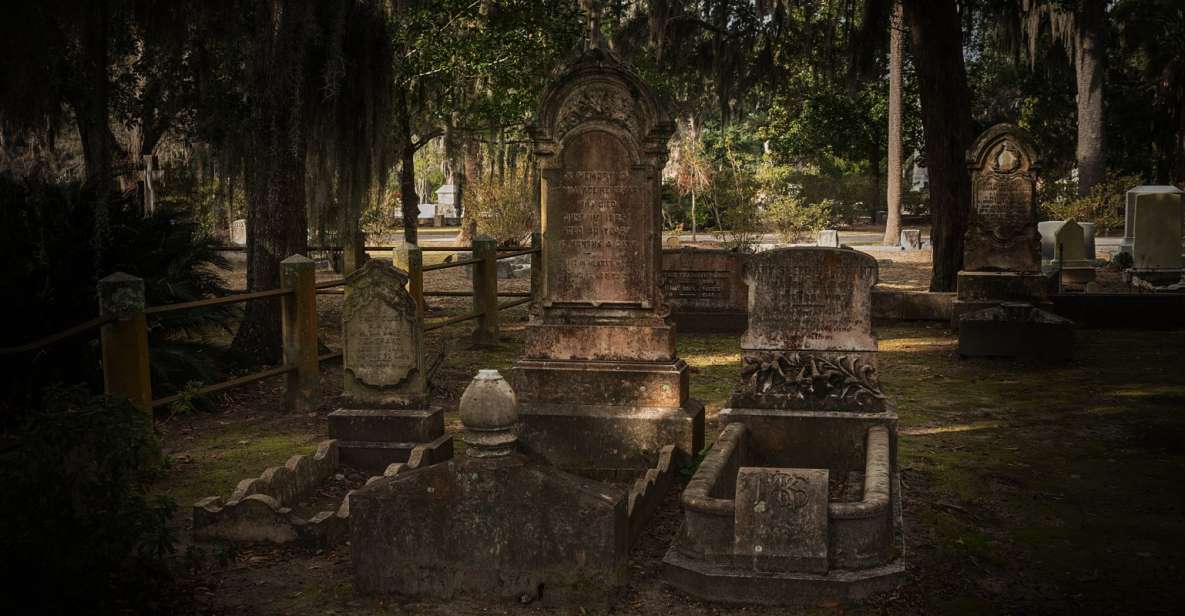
[[1028, 489]]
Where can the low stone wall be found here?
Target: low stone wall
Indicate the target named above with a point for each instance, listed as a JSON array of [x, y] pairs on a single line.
[[648, 491], [260, 509], [1122, 310], [912, 305]]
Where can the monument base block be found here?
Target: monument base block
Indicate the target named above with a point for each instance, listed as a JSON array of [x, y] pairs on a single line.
[[607, 439], [1016, 330], [372, 439], [710, 322], [981, 290]]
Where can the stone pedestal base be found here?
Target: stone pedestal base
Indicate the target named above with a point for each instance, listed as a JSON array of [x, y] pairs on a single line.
[[372, 439], [606, 440], [1016, 330], [981, 290]]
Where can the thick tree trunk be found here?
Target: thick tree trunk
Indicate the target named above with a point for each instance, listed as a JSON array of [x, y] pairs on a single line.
[[1089, 66], [937, 41], [277, 221], [409, 201], [893, 170], [91, 104]]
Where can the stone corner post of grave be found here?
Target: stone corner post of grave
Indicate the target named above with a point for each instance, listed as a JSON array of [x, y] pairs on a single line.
[[299, 326], [125, 339]]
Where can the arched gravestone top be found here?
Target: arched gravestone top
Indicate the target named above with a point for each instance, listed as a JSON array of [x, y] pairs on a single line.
[[1002, 229], [600, 136], [381, 337]]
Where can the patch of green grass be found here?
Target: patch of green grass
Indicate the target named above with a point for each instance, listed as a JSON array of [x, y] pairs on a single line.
[[218, 462]]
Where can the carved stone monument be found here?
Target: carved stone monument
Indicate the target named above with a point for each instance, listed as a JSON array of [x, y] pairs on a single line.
[[238, 232], [494, 523], [601, 386], [385, 411], [798, 502], [1002, 250], [705, 289]]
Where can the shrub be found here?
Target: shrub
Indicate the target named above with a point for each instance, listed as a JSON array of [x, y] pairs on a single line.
[[1103, 206], [503, 207], [794, 220], [79, 530], [50, 265]]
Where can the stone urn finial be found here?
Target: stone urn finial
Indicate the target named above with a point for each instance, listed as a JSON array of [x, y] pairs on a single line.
[[489, 412]]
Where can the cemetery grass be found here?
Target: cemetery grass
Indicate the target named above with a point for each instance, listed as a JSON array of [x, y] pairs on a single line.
[[1027, 489]]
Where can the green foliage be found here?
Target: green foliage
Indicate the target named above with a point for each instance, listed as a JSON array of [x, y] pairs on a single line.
[[79, 530], [50, 273], [502, 206], [1104, 205], [793, 220]]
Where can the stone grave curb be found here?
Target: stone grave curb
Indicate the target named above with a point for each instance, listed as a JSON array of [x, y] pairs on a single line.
[[648, 491], [260, 508]]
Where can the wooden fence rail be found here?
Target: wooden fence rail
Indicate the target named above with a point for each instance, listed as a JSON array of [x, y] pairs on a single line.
[[123, 321]]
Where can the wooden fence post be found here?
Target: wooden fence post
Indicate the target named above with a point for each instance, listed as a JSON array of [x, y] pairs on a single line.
[[536, 265], [125, 340], [485, 291], [299, 324], [410, 258]]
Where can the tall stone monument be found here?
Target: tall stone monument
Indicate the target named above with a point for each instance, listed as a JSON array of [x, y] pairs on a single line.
[[1002, 300], [1002, 248], [600, 383], [385, 411], [798, 502]]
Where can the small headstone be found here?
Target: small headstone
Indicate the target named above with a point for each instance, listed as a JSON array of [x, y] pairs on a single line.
[[238, 232], [1046, 229], [781, 518], [911, 239], [828, 238], [385, 411], [672, 241], [1070, 255]]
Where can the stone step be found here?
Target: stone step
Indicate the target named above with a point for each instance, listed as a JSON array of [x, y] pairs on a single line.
[[387, 425], [375, 457]]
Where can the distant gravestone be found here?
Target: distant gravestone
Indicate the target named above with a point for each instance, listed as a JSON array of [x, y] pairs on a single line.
[[1047, 229], [828, 238], [238, 232], [911, 239], [706, 289], [809, 343], [1070, 255], [781, 518], [1002, 230], [384, 412], [1156, 214]]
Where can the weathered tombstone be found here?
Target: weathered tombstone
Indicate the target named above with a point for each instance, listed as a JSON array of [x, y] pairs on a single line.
[[1156, 215], [385, 411], [706, 289], [1002, 247], [828, 238], [1088, 234], [238, 232], [798, 501], [1069, 255], [1046, 229], [493, 523], [601, 385], [911, 239]]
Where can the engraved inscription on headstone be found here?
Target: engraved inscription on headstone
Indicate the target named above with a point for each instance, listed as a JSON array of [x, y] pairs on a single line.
[[810, 298], [381, 343], [597, 224], [1002, 230], [781, 518]]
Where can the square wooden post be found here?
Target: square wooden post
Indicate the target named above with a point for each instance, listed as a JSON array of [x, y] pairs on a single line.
[[485, 291], [410, 258], [125, 341], [299, 323]]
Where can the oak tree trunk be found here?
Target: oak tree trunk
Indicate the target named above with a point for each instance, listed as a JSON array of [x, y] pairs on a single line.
[[893, 166], [1089, 67], [937, 41], [409, 201]]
